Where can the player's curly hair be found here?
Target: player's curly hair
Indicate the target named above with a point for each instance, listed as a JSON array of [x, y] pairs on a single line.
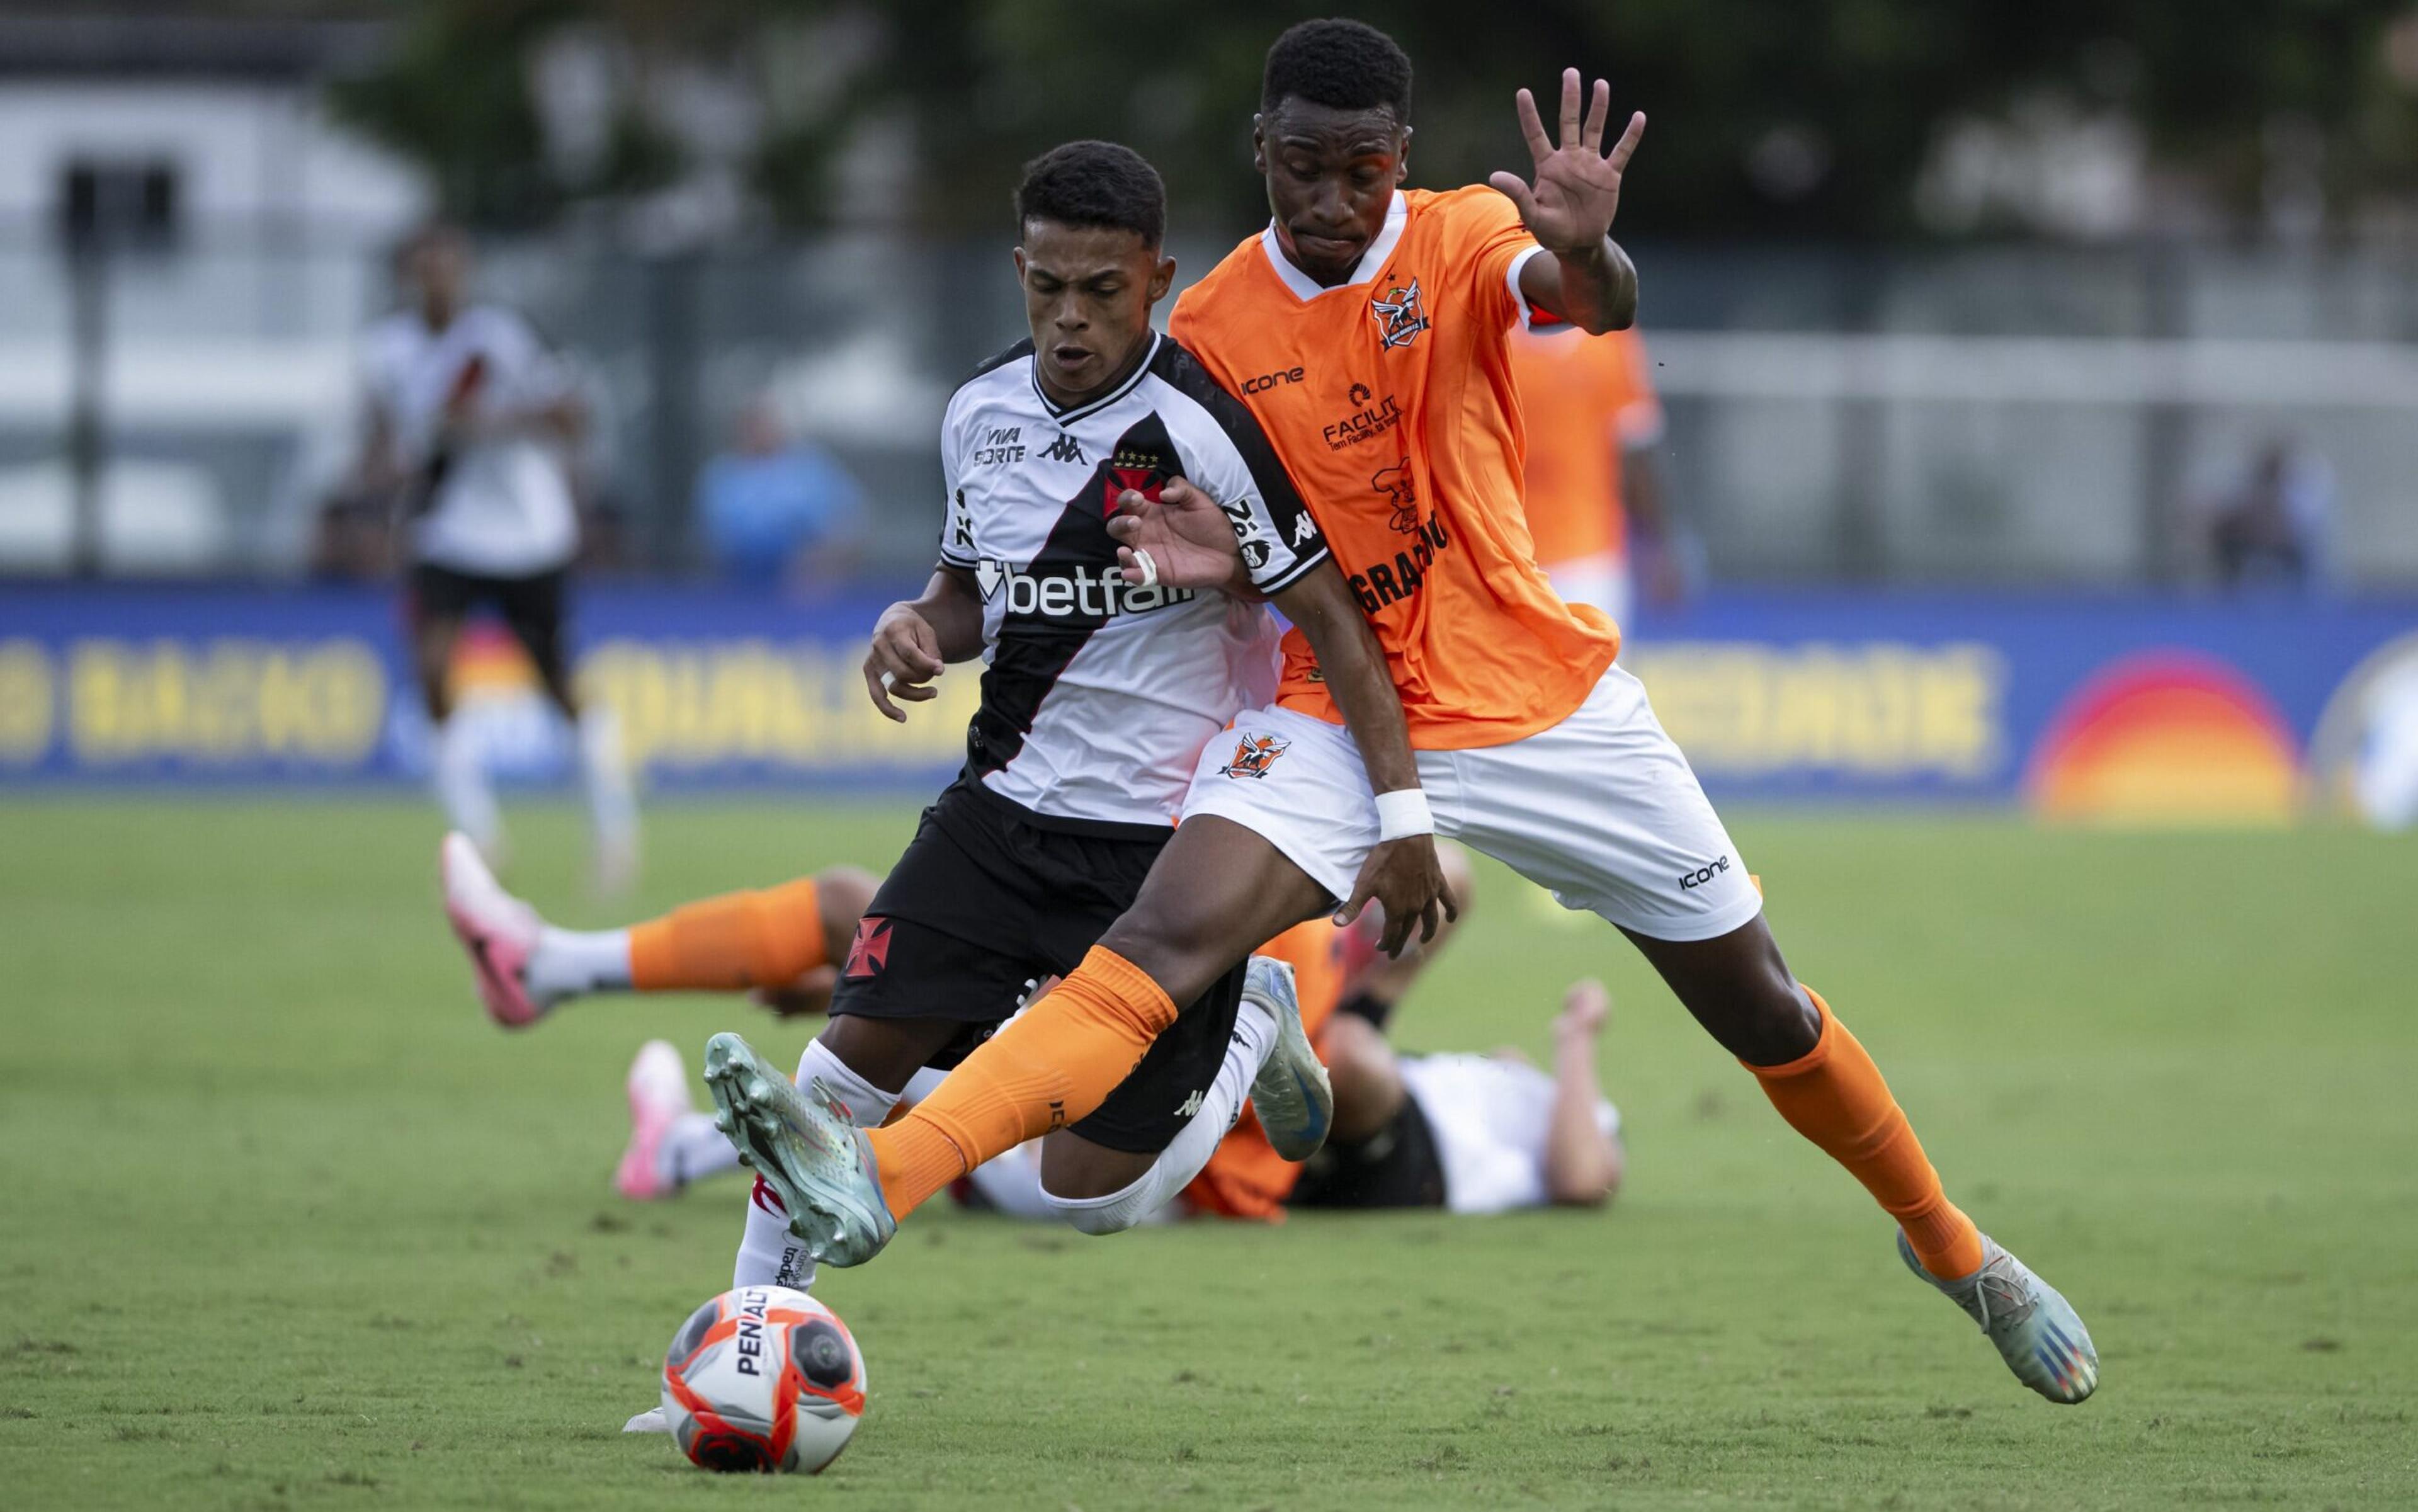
[[1344, 65], [1094, 184]]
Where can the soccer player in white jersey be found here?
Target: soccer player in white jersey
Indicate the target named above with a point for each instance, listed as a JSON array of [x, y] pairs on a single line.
[[1098, 698], [467, 419]]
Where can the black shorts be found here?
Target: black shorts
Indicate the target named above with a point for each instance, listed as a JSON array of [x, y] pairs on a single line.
[[987, 901], [1395, 1168], [531, 607]]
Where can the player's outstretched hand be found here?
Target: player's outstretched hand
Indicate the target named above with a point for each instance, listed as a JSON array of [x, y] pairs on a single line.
[[1570, 207], [1404, 877], [905, 658], [1189, 540]]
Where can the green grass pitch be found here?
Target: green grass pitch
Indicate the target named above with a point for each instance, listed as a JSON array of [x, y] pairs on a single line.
[[285, 1223]]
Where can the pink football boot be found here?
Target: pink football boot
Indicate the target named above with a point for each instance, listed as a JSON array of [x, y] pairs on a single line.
[[659, 1095], [497, 928]]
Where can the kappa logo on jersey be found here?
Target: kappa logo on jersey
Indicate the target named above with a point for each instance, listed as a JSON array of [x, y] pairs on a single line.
[[870, 951], [1071, 592], [1064, 448], [1189, 1105], [1400, 314], [1254, 755], [1303, 529]]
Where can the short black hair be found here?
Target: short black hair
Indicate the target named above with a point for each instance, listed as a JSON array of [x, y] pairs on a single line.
[[1094, 184], [1344, 65]]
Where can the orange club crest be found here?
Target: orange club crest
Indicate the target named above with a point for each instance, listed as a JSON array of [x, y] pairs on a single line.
[[1400, 314], [1254, 755]]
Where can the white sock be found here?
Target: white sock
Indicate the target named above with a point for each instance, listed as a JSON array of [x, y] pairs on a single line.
[[1254, 1036], [768, 1252], [693, 1149], [462, 788], [611, 800], [571, 963]]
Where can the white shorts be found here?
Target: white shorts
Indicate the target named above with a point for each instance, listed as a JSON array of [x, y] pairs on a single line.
[[1601, 809]]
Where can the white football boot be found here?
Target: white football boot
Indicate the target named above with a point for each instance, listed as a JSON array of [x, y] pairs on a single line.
[[1290, 1096], [807, 1149], [2038, 1333]]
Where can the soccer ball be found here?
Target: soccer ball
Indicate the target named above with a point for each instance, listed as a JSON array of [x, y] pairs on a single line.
[[763, 1378]]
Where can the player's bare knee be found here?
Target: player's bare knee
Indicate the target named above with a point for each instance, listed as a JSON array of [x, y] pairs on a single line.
[[1779, 1021]]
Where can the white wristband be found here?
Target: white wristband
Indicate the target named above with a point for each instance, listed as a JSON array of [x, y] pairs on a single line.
[[1403, 812]]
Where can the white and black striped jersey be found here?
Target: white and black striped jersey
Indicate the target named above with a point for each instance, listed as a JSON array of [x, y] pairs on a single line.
[[1099, 696]]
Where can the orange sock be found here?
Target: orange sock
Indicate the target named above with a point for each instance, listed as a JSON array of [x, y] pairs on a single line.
[[767, 939], [1046, 1070], [1834, 1095]]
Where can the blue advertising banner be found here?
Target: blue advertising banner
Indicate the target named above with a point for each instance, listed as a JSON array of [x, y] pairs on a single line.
[[2090, 707]]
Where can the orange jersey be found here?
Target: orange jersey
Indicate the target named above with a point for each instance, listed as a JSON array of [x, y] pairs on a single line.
[[1586, 400], [1390, 400], [1246, 1178]]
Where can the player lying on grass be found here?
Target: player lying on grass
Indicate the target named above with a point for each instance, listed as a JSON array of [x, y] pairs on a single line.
[[1473, 1133], [1098, 697], [1536, 748], [778, 945]]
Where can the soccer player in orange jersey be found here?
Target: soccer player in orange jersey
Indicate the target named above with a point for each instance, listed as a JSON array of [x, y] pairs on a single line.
[[1366, 329]]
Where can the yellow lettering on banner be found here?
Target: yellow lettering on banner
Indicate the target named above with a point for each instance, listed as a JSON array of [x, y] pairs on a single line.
[[224, 702], [711, 703], [1873, 711], [29, 698]]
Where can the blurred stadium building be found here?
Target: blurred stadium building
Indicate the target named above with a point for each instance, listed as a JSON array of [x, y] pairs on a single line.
[[2018, 311]]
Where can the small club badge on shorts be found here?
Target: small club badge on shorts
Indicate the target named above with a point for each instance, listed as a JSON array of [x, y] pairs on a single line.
[[1254, 755]]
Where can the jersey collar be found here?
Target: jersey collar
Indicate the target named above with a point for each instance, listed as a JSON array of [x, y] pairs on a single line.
[[1304, 287], [1092, 406]]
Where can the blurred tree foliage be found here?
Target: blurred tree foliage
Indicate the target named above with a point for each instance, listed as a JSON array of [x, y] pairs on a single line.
[[1769, 117]]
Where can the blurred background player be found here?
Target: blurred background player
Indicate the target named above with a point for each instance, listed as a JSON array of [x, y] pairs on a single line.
[[468, 418], [1593, 488]]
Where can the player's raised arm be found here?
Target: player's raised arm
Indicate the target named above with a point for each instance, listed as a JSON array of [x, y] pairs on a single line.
[[1401, 874], [1588, 280], [916, 638]]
